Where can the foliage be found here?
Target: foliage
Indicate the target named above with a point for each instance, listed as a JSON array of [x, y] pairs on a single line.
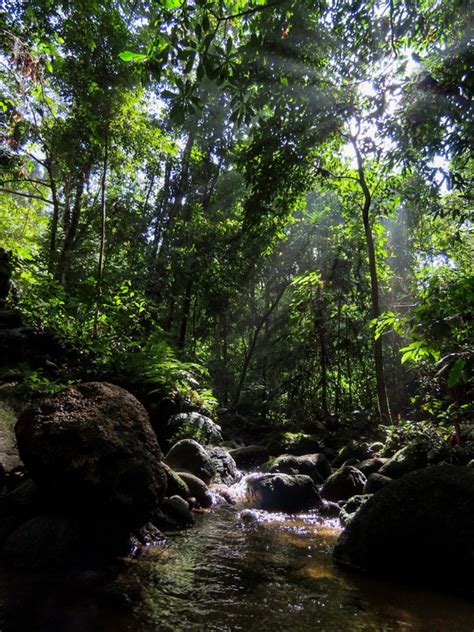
[[195, 426], [406, 431], [269, 201]]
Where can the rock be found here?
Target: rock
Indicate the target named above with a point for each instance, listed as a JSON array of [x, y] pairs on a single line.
[[10, 319], [351, 507], [24, 500], [224, 464], [343, 484], [191, 457], [418, 527], [329, 509], [247, 517], [250, 456], [7, 525], [47, 541], [195, 426], [108, 538], [471, 463], [452, 455], [175, 485], [282, 492], [375, 482], [198, 489], [297, 443], [354, 450], [314, 465], [369, 466], [149, 535], [376, 447], [226, 493], [412, 457], [178, 510], [93, 445]]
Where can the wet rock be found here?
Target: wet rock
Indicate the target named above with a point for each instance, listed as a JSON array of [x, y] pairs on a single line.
[[195, 426], [250, 456], [198, 489], [224, 464], [314, 465], [247, 517], [375, 482], [48, 541], [226, 493], [369, 466], [351, 507], [329, 509], [149, 535], [282, 492], [419, 527], [178, 510], [191, 457], [343, 484], [93, 445]]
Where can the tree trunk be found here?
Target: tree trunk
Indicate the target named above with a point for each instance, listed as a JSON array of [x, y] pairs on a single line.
[[103, 221], [382, 399], [71, 231]]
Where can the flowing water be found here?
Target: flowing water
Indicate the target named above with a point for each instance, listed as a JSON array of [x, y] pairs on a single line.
[[272, 574]]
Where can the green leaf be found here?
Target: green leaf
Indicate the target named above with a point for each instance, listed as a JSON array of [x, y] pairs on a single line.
[[171, 4], [128, 55], [456, 373]]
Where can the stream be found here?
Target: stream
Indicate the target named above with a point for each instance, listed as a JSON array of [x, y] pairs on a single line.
[[273, 573]]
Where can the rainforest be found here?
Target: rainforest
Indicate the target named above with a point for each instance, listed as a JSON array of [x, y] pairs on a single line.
[[236, 315]]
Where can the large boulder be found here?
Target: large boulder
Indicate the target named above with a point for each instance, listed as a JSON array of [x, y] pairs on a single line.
[[250, 456], [225, 466], [370, 466], [282, 492], [375, 482], [92, 446], [43, 542], [346, 482], [314, 465], [419, 526], [191, 457]]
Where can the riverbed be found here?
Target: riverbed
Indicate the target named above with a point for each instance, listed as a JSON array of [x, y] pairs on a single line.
[[272, 573]]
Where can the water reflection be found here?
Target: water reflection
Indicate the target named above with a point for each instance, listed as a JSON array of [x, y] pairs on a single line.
[[271, 573]]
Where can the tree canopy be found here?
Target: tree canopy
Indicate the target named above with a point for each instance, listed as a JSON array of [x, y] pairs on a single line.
[[262, 205]]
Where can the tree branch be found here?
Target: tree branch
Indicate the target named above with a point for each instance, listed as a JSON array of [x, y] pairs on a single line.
[[28, 195]]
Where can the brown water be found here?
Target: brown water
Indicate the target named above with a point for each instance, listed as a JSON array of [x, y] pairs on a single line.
[[274, 575]]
